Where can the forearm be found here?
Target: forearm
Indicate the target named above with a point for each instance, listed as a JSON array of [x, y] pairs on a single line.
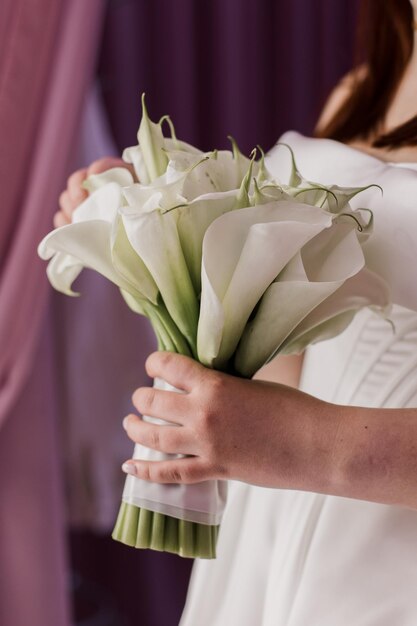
[[365, 453]]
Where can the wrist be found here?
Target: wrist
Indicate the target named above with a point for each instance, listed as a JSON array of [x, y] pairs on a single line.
[[325, 424], [312, 429]]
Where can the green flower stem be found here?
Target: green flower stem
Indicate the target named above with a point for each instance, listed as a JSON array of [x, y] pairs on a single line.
[[165, 342], [167, 333], [140, 528], [179, 343]]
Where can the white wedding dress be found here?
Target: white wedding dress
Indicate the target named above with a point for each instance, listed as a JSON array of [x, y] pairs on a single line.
[[290, 558]]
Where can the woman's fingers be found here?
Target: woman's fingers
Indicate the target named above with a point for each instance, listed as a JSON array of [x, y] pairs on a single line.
[[60, 219], [177, 370], [75, 191], [167, 405], [168, 439], [70, 198], [66, 205], [186, 471]]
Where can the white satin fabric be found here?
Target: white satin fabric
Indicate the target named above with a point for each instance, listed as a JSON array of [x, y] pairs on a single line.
[[290, 558], [202, 503]]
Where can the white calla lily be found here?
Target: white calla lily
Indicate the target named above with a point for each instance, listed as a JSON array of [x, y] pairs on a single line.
[[130, 266], [333, 198], [151, 140], [75, 246], [154, 237], [96, 239], [102, 204], [333, 315], [219, 172], [259, 241], [149, 158], [134, 156], [115, 175], [62, 270], [187, 177], [318, 270], [193, 220]]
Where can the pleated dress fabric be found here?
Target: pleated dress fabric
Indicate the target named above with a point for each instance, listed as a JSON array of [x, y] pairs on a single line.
[[289, 558]]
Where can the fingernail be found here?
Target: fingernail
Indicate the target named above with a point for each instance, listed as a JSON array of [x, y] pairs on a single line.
[[129, 468], [125, 420]]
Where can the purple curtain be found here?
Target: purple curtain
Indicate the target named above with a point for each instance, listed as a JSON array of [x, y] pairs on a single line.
[[251, 69], [43, 78]]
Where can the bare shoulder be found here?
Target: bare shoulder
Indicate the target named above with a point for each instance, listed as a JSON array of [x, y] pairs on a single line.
[[340, 94]]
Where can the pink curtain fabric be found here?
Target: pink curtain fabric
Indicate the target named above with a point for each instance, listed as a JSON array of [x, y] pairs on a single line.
[[47, 53]]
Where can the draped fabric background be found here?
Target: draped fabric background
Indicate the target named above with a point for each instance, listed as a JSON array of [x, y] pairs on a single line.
[[100, 352], [43, 79], [240, 67], [247, 68]]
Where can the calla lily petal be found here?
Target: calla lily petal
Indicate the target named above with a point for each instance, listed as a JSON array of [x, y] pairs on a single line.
[[134, 156], [365, 289], [259, 241], [312, 275], [183, 181], [102, 204], [155, 239], [130, 266], [116, 175], [84, 244], [62, 270], [193, 219], [151, 140], [147, 198]]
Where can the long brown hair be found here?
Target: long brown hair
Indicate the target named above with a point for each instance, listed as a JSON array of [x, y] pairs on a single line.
[[384, 45]]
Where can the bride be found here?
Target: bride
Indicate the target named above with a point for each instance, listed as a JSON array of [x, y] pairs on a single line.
[[320, 527]]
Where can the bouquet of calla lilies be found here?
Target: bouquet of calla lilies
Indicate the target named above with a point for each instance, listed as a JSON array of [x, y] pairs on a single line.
[[232, 267]]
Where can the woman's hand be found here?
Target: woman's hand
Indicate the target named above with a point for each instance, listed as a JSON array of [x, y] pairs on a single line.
[[74, 194], [229, 428], [272, 435]]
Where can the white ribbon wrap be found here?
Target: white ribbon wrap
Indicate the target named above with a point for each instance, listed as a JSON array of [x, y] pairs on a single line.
[[200, 502]]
